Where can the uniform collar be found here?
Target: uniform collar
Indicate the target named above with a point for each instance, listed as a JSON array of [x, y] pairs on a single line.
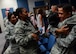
[[10, 23]]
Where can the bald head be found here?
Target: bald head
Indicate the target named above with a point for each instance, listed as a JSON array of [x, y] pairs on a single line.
[[54, 8]]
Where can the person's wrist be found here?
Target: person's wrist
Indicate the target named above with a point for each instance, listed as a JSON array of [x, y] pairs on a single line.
[[58, 31], [35, 37]]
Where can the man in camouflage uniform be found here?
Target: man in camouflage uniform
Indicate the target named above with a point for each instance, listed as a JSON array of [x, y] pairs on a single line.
[[64, 36]]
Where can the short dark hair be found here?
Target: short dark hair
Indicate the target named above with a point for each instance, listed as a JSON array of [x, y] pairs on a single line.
[[9, 15], [66, 7]]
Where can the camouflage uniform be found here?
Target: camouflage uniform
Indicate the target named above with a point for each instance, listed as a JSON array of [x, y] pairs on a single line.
[[6, 22], [62, 40], [23, 36], [9, 35]]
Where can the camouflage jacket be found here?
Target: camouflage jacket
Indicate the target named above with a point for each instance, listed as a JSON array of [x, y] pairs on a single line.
[[62, 40], [9, 31], [23, 32]]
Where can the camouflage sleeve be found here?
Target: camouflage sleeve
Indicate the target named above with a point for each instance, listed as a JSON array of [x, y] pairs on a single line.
[[7, 33], [66, 41], [21, 37], [52, 29]]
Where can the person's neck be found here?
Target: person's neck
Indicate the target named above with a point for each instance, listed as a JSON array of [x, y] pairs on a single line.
[[24, 19], [69, 16]]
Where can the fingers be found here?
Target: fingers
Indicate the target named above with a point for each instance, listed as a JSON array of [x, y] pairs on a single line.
[[35, 37], [65, 26]]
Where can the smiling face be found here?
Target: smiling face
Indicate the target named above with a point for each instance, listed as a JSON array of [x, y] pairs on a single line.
[[64, 11], [62, 14], [13, 19]]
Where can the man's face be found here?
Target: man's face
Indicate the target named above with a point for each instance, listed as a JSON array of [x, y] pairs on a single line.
[[53, 8], [62, 15]]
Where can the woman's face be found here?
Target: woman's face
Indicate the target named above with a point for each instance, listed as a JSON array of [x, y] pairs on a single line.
[[13, 19], [24, 14]]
